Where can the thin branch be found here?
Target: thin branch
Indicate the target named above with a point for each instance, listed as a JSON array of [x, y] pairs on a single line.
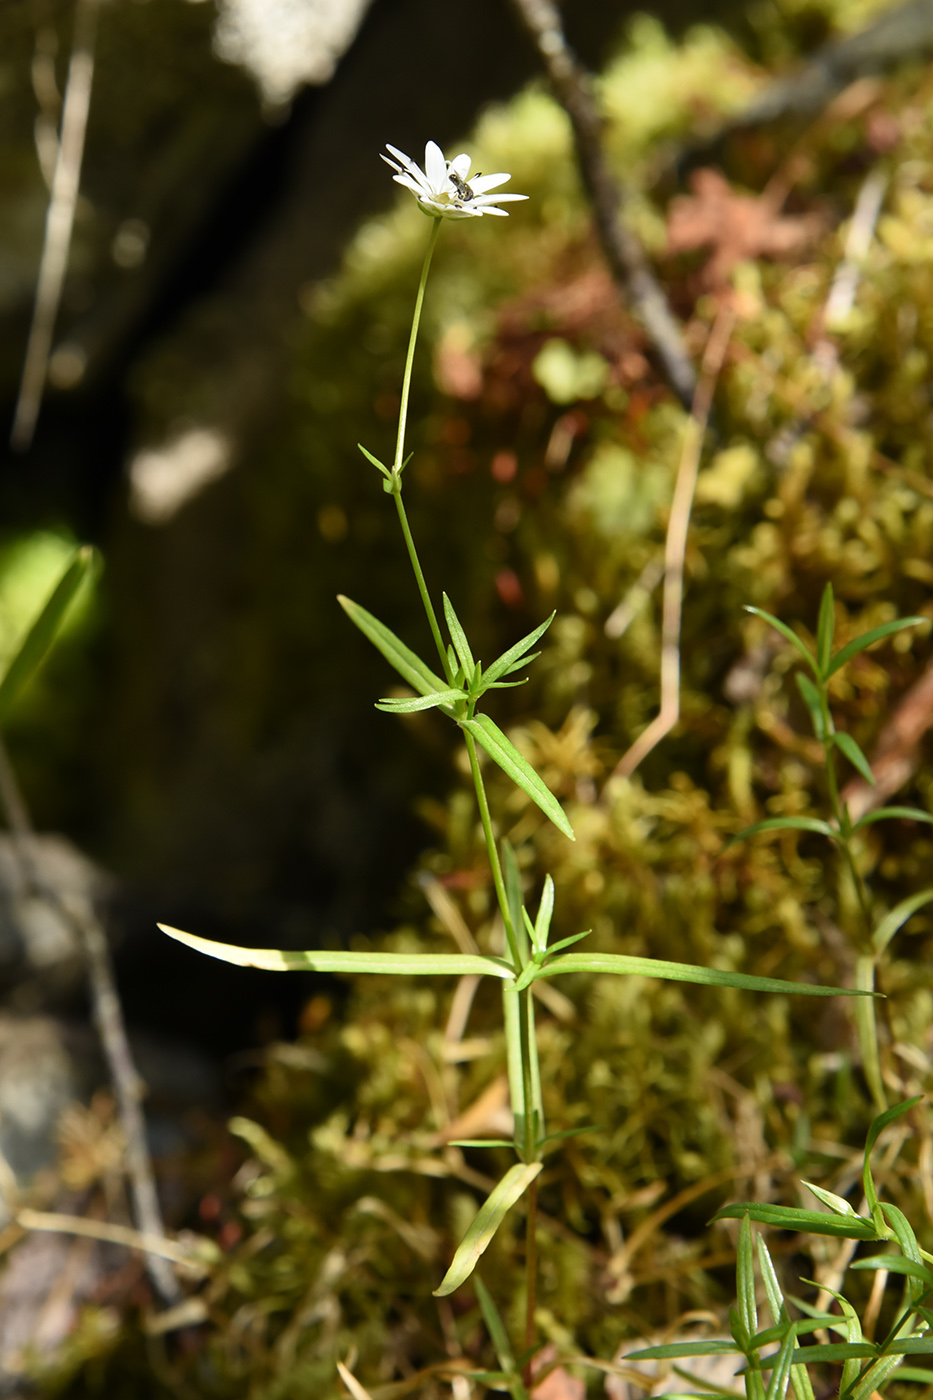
[[676, 547], [59, 223], [108, 1015], [624, 253]]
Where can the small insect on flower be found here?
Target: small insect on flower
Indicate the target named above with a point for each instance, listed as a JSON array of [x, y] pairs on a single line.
[[445, 189]]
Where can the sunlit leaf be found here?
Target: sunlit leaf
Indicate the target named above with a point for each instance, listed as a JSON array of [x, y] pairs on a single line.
[[867, 638], [811, 1222], [787, 824], [896, 1264], [485, 1224], [847, 745], [408, 664], [785, 631], [515, 656], [837, 1204], [896, 919], [672, 1350], [394, 964], [825, 629], [38, 640], [459, 639], [883, 814], [411, 704], [504, 752], [622, 965]]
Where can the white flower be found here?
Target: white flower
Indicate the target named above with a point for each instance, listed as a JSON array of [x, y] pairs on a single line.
[[445, 188]]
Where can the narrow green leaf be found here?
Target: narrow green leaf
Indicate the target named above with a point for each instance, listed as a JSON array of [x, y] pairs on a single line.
[[769, 1278], [837, 1204], [410, 704], [569, 1133], [915, 1373], [897, 918], [621, 965], [672, 1350], [519, 665], [867, 638], [889, 1116], [496, 1327], [833, 1351], [825, 629], [745, 1278], [459, 639], [395, 964], [513, 895], [504, 752], [478, 1142], [781, 1368], [811, 1222], [811, 698], [896, 1264], [785, 631], [380, 466], [787, 824], [38, 640], [847, 745], [883, 814], [568, 942], [545, 913], [485, 1224], [408, 664], [515, 656]]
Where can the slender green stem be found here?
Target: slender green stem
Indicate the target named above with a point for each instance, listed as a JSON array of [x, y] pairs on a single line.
[[492, 849], [531, 1274], [422, 585], [412, 341]]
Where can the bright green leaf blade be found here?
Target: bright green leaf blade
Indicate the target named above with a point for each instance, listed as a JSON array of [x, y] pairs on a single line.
[[745, 1278], [677, 1349], [409, 665], [785, 631], [520, 664], [882, 814], [37, 642], [545, 913], [478, 1142], [915, 1373], [485, 1224], [380, 466], [787, 824], [890, 1115], [411, 704], [867, 638], [569, 1133], [811, 1222], [811, 698], [568, 942], [770, 1280], [834, 1351], [897, 918], [825, 629], [513, 894], [395, 964], [847, 745], [502, 751], [621, 965], [515, 656], [896, 1264], [459, 639], [837, 1204], [781, 1368]]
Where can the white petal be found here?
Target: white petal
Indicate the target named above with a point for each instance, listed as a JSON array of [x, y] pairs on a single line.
[[435, 167], [417, 187], [406, 161], [461, 165], [481, 183], [497, 198], [491, 209]]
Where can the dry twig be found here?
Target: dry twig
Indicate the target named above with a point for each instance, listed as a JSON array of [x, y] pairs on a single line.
[[676, 546], [108, 1014], [59, 223], [624, 252]]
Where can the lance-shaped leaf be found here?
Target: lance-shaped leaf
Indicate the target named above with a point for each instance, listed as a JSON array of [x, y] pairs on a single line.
[[410, 704], [787, 824], [884, 814], [459, 639], [408, 664], [486, 1222], [898, 916], [502, 751], [878, 1126], [515, 656], [395, 964], [837, 1204], [622, 965], [847, 745], [785, 631], [846, 653], [825, 629], [496, 1329], [380, 466], [38, 640], [811, 698], [811, 1222]]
